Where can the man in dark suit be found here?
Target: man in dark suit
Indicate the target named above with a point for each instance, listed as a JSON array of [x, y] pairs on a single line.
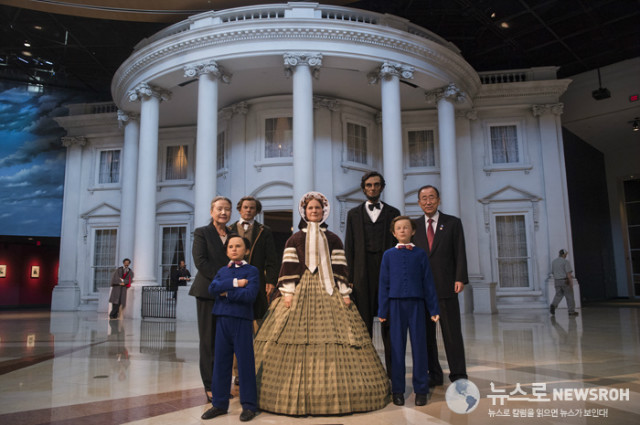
[[367, 237], [262, 255], [441, 235]]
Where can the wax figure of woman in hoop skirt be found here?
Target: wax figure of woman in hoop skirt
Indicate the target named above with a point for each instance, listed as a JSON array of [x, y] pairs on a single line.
[[313, 353]]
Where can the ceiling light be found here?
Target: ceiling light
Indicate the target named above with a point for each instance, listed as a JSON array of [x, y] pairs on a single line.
[[22, 60], [635, 124], [27, 44], [37, 27], [26, 53], [504, 25]]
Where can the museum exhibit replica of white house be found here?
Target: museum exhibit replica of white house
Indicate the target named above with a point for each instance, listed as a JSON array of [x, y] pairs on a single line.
[[276, 100]]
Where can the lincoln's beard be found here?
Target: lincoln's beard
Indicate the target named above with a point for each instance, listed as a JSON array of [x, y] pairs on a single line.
[[372, 199]]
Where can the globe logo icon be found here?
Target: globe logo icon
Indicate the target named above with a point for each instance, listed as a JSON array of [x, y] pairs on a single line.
[[462, 396]]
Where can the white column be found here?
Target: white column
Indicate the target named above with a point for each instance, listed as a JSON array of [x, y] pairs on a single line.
[[206, 176], [145, 248], [303, 66], [66, 294], [129, 163], [449, 189], [555, 188], [392, 158]]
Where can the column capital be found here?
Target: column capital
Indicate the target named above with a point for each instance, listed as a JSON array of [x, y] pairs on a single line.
[[240, 108], [450, 91], [69, 141], [124, 117], [211, 67], [391, 69], [326, 102], [470, 114], [550, 108], [312, 60], [145, 90]]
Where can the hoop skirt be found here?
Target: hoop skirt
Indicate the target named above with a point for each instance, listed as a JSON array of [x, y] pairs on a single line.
[[316, 358]]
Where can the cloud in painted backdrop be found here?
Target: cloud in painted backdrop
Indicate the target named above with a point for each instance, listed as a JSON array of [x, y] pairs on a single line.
[[32, 160]]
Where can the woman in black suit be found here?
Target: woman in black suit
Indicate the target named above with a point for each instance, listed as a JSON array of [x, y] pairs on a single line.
[[208, 256]]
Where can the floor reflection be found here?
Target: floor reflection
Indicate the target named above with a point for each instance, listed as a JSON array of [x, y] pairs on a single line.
[[80, 367]]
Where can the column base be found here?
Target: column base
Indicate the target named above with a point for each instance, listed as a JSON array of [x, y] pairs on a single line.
[[186, 307], [484, 297], [65, 298]]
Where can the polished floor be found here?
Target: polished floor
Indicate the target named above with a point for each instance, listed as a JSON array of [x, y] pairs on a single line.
[[80, 368]]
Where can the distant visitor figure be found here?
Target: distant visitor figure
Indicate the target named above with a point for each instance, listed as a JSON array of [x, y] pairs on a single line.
[[120, 282]]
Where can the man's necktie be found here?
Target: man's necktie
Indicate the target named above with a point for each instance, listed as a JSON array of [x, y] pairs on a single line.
[[372, 206], [245, 225], [235, 263], [430, 233], [407, 246]]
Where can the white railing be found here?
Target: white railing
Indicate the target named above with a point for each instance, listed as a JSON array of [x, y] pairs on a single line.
[[92, 108], [297, 10], [518, 75]]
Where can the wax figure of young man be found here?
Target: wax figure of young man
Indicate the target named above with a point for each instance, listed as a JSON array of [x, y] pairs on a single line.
[[262, 253]]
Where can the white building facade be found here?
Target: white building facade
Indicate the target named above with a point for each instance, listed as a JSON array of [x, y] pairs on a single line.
[[276, 100]]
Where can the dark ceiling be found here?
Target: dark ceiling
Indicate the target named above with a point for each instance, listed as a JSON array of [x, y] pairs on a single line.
[[576, 35]]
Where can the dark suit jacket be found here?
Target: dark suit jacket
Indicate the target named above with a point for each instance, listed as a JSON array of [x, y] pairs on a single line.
[[263, 256], [354, 245], [448, 256], [208, 256]]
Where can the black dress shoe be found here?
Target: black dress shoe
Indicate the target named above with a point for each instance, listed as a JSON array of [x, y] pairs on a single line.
[[421, 399], [398, 399], [212, 413], [247, 415]]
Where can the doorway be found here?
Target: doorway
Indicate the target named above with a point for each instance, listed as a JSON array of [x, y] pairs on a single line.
[[281, 227], [632, 213]]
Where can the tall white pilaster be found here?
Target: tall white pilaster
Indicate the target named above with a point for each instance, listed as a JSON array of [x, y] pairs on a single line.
[[303, 67], [131, 125], [66, 294], [449, 189], [144, 253], [392, 162], [555, 177], [206, 177]]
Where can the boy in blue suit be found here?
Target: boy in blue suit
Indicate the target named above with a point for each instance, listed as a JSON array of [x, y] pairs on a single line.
[[406, 290], [234, 288]]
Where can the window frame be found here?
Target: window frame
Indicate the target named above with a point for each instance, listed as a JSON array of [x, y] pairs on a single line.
[[186, 246], [523, 163], [261, 159], [433, 169], [529, 234], [369, 126], [92, 290], [98, 159]]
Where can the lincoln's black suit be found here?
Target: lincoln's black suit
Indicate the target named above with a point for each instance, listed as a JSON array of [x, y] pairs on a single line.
[[208, 256], [448, 260], [263, 256], [363, 261]]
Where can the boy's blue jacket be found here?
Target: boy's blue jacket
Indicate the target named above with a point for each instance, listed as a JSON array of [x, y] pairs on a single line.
[[239, 301], [406, 273]]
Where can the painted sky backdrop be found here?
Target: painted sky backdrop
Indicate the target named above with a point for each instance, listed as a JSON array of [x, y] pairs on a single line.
[[32, 159]]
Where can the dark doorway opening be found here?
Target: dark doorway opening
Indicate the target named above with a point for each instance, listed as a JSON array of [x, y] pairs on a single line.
[[280, 223]]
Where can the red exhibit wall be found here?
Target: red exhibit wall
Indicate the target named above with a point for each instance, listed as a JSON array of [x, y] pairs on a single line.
[[19, 254]]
